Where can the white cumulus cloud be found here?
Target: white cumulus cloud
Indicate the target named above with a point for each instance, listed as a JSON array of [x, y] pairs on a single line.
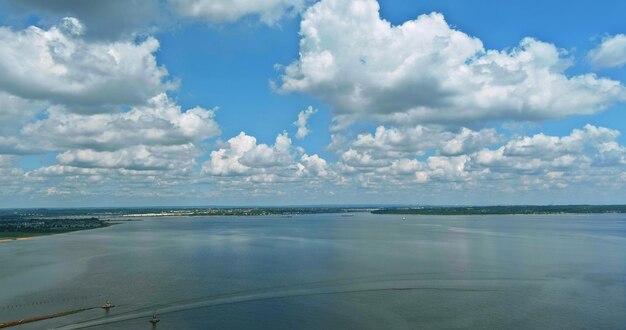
[[590, 156], [110, 19], [416, 141], [179, 158], [424, 71], [242, 159], [301, 122], [590, 146], [611, 53], [59, 66], [226, 11], [241, 155], [159, 122]]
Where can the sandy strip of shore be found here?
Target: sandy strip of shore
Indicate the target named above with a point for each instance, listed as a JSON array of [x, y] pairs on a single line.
[[6, 240]]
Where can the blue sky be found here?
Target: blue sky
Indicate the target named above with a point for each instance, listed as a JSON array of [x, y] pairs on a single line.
[[197, 102]]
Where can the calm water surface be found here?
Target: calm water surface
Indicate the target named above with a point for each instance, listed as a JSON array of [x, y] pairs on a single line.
[[326, 271]]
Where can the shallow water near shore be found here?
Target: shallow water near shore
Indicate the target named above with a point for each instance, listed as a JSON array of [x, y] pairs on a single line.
[[326, 271]]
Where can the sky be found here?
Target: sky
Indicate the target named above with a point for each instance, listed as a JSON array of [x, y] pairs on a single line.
[[302, 102]]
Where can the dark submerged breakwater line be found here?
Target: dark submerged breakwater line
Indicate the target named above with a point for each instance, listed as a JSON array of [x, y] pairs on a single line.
[[41, 318]]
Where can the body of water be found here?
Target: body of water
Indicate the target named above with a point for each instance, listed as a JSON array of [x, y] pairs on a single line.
[[326, 272]]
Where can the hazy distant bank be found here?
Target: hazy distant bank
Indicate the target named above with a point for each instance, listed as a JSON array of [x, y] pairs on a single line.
[[46, 220], [17, 228], [505, 210]]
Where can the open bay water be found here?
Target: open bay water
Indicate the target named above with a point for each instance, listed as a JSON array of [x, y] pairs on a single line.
[[326, 271]]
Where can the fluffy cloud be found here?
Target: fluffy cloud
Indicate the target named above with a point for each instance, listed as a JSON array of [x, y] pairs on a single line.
[[389, 151], [314, 166], [115, 19], [160, 122], [59, 66], [155, 137], [53, 81], [15, 111], [590, 146], [13, 145], [101, 107], [103, 19], [10, 175], [225, 11], [242, 157], [301, 122], [611, 53], [416, 141], [588, 156], [180, 158], [111, 182], [424, 71]]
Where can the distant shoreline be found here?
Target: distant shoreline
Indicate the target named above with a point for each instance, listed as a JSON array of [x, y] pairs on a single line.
[[24, 229], [17, 225], [506, 210]]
